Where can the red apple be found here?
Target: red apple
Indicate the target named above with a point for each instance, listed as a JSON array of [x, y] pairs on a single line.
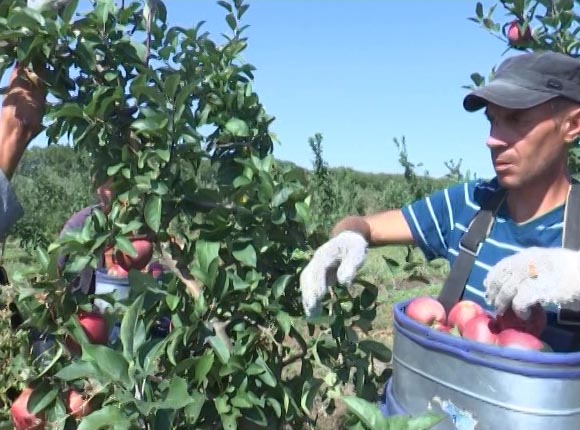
[[426, 310], [481, 328], [144, 249], [95, 327], [534, 325], [462, 312], [21, 417], [117, 271], [512, 338], [77, 405], [515, 36]]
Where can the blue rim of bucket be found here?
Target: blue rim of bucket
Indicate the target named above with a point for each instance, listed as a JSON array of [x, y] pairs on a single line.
[[463, 349]]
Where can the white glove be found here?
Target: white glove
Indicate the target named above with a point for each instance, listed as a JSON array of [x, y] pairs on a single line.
[[534, 275], [337, 260]]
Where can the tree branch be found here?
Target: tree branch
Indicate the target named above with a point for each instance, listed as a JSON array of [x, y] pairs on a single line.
[[192, 285]]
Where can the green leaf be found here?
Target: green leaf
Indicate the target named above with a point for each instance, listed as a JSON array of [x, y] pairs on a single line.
[[149, 124], [206, 253], [280, 285], [41, 398], [423, 422], [202, 367], [111, 362], [281, 196], [125, 246], [153, 212], [108, 417], [70, 110], [28, 18], [77, 370], [368, 413], [479, 10], [237, 127], [285, 321], [171, 84], [267, 376], [177, 396], [377, 349], [220, 348], [42, 257], [309, 392], [246, 255], [132, 329], [193, 410], [231, 20]]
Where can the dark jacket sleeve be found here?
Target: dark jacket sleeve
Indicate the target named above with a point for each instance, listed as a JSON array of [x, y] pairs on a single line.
[[10, 208]]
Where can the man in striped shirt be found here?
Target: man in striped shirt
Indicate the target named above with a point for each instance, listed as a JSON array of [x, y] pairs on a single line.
[[533, 107]]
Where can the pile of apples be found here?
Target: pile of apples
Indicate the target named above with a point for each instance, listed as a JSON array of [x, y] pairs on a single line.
[[469, 320], [78, 404]]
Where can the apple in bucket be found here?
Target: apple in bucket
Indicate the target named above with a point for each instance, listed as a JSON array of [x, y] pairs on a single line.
[[144, 248], [534, 325], [426, 310], [462, 312], [481, 328], [512, 338]]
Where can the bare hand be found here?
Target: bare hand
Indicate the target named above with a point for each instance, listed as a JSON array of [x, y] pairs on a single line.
[[24, 103]]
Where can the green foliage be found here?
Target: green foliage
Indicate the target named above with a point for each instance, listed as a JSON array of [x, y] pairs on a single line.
[[323, 187], [554, 26]]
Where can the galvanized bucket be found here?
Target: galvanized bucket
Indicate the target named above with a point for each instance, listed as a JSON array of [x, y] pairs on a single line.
[[478, 386]]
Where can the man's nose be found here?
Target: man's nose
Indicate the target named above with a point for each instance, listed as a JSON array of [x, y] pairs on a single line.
[[497, 139]]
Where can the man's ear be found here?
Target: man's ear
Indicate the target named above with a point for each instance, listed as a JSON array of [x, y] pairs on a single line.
[[571, 125]]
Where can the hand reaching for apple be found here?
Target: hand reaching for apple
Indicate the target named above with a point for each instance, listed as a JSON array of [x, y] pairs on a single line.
[[337, 260], [534, 276]]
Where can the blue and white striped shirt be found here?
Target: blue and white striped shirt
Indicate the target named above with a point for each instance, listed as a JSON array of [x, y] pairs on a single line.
[[439, 221]]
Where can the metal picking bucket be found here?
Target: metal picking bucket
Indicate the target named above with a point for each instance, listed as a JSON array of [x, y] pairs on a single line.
[[479, 386], [105, 284]]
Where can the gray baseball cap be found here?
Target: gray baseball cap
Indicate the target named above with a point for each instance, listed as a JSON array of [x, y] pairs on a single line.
[[527, 80]]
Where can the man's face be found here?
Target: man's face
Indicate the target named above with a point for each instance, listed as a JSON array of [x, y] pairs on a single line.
[[526, 145]]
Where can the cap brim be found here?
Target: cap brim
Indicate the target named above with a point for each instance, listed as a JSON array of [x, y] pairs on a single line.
[[505, 94]]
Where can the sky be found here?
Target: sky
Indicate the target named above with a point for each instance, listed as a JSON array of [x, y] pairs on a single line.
[[362, 73]]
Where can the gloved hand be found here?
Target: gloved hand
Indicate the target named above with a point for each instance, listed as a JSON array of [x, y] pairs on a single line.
[[534, 275], [337, 260]]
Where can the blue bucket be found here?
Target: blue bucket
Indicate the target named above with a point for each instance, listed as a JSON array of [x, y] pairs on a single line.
[[106, 284], [476, 386]]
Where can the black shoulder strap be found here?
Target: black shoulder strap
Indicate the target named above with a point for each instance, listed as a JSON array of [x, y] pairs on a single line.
[[468, 247], [571, 239]]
